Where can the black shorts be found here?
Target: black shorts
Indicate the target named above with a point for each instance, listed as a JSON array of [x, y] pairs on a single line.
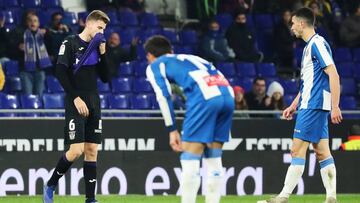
[[79, 129]]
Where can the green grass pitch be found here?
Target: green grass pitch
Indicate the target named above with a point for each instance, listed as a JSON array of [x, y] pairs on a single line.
[[348, 198]]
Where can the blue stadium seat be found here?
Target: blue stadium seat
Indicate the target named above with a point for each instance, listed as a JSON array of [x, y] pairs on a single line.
[[9, 27], [128, 18], [30, 3], [141, 85], [226, 68], [69, 18], [266, 69], [224, 20], [149, 20], [356, 71], [345, 69], [122, 84], [119, 101], [140, 51], [342, 55], [51, 3], [264, 21], [9, 101], [53, 85], [44, 17], [126, 68], [82, 15], [53, 101], [11, 68], [246, 69], [233, 81], [250, 22], [31, 101], [356, 54], [289, 98], [348, 86], [128, 34], [246, 83], [113, 18], [155, 104], [10, 3], [140, 68], [141, 101], [13, 84], [10, 17], [184, 49], [171, 35], [103, 87], [269, 80], [188, 37], [348, 103], [104, 103], [290, 86]]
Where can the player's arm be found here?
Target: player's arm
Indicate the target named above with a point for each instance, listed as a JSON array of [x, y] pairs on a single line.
[[61, 72], [103, 67], [289, 111], [334, 81]]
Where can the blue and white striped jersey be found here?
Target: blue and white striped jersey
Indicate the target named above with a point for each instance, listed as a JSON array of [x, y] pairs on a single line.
[[314, 86], [198, 78]]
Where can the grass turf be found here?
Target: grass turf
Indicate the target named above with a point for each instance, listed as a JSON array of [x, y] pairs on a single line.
[[342, 198]]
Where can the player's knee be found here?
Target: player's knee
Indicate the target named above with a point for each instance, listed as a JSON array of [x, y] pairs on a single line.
[[75, 153], [294, 153], [91, 153], [320, 155]]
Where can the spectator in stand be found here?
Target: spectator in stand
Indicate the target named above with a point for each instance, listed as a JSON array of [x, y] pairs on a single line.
[[324, 6], [117, 54], [36, 58], [323, 19], [257, 97], [350, 28], [285, 42], [242, 41], [215, 46], [55, 34], [275, 99], [232, 6], [240, 102], [3, 40]]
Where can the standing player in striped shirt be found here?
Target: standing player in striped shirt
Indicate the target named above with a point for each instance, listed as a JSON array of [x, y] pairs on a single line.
[[319, 95], [209, 110]]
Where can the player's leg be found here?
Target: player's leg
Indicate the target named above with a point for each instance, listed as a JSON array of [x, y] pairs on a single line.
[[213, 161], [90, 151], [190, 176], [296, 168], [327, 168]]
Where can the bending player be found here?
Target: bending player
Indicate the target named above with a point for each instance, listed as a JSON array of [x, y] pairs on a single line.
[[208, 118], [319, 95], [81, 59]]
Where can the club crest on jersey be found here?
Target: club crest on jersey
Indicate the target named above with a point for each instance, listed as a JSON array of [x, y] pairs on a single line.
[[72, 135]]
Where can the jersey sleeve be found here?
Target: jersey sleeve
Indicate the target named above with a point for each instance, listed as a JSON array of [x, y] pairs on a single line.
[[158, 80], [322, 52], [65, 53]]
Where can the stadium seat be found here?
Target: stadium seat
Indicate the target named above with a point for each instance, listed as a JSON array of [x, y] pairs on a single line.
[[11, 68], [141, 101], [9, 101], [141, 85], [245, 69], [53, 85], [171, 35], [53, 101], [69, 18], [246, 83], [113, 18], [50, 3], [184, 49], [224, 20], [10, 3], [141, 52], [128, 18], [149, 20], [348, 86], [119, 101], [188, 37], [348, 103], [264, 21], [128, 34], [289, 98], [269, 80], [82, 15], [126, 69], [233, 81], [31, 101], [10, 17], [342, 55], [155, 104], [104, 103], [345, 69], [140, 68], [30, 3], [226, 68], [290, 86], [266, 69], [13, 84], [122, 84], [356, 71], [44, 17], [250, 22], [103, 87]]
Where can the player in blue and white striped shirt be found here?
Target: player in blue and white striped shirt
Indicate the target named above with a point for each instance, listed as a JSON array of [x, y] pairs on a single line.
[[319, 95], [208, 118]]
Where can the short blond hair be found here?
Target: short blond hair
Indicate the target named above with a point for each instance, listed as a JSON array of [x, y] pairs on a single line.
[[98, 15]]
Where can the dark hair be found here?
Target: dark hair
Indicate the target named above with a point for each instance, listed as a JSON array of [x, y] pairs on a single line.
[[158, 45], [55, 14], [98, 15], [258, 78], [307, 14]]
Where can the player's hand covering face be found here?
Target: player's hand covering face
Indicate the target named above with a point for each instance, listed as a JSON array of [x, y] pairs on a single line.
[[95, 27]]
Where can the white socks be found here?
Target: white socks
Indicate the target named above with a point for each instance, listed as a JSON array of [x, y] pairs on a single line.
[[328, 176], [293, 176], [190, 177], [214, 179]]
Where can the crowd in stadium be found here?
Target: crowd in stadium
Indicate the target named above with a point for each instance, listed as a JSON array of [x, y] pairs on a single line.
[[249, 41]]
